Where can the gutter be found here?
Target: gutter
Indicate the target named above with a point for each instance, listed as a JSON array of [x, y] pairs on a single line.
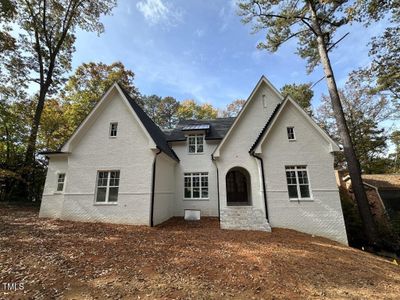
[[219, 206], [263, 182], [153, 186]]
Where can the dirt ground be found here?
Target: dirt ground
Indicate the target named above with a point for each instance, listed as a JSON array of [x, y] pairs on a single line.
[[47, 259]]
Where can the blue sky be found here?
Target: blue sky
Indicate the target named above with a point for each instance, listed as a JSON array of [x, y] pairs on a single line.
[[200, 50]]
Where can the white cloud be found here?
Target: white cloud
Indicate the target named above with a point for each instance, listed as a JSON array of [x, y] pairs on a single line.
[[157, 11]]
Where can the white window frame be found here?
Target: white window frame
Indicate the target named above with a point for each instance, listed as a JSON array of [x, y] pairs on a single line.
[[111, 130], [60, 182], [201, 176], [196, 144], [107, 187], [296, 169], [289, 134]]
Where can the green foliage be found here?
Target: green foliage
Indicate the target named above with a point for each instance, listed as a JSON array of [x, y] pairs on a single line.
[[163, 111], [301, 93], [189, 109], [363, 112], [87, 85], [233, 109], [284, 20]]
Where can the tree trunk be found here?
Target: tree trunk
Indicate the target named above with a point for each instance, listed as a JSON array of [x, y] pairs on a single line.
[[351, 158], [30, 150]]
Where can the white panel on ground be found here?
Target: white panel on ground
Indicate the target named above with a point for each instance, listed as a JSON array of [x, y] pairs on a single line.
[[192, 215]]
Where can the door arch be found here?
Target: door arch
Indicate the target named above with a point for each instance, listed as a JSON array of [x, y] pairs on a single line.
[[238, 187]]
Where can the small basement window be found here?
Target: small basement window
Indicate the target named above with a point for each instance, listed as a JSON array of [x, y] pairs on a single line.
[[290, 134], [113, 129], [60, 182]]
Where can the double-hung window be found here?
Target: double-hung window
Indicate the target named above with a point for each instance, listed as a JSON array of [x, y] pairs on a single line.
[[290, 133], [107, 186], [297, 182], [196, 143], [60, 182], [113, 129], [196, 185]]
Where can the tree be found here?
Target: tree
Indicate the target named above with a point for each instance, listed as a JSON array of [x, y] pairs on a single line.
[[233, 109], [54, 130], [301, 93], [314, 23], [163, 111], [383, 73], [88, 84], [151, 105], [363, 113], [395, 138], [168, 108], [45, 46], [189, 109]]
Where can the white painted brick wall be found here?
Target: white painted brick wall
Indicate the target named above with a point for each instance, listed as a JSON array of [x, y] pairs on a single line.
[[323, 216], [164, 197], [94, 151], [195, 163]]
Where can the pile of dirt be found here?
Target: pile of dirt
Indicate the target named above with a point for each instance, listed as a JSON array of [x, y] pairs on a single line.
[[179, 260]]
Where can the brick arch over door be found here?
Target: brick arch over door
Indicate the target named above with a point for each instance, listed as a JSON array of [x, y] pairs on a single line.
[[238, 188]]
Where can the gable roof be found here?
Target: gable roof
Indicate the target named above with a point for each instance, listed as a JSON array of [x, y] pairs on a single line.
[[150, 128], [263, 79], [154, 131], [275, 115], [217, 129]]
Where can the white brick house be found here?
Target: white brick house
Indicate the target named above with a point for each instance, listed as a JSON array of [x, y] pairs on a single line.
[[271, 166]]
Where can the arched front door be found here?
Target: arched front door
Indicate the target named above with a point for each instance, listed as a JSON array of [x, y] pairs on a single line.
[[238, 187]]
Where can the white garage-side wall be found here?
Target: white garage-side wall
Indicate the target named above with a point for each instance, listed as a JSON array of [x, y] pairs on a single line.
[[52, 200], [94, 150], [320, 216], [194, 163], [164, 191]]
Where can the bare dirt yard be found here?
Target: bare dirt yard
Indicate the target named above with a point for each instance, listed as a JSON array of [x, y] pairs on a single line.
[[179, 260]]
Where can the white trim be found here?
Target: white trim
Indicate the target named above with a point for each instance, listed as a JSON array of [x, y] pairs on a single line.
[[293, 132], [57, 191], [107, 186], [263, 79], [296, 169], [333, 146], [201, 175], [196, 144]]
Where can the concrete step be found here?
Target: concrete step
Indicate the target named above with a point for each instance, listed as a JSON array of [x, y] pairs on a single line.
[[244, 218]]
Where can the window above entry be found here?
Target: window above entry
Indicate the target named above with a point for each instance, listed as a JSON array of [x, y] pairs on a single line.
[[196, 143], [290, 133], [113, 129]]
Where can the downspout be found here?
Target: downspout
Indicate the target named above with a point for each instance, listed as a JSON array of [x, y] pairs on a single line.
[[263, 182], [153, 186], [219, 208]]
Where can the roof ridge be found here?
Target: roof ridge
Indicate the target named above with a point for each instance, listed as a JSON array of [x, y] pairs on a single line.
[[152, 128]]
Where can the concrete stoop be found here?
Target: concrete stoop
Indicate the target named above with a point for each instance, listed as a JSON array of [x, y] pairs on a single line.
[[244, 218]]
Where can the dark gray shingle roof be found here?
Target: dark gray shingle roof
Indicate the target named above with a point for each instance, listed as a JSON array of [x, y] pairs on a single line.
[[154, 131], [218, 128]]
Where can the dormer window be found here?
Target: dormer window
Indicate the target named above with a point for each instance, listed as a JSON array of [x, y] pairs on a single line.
[[290, 134], [113, 129], [196, 143]]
